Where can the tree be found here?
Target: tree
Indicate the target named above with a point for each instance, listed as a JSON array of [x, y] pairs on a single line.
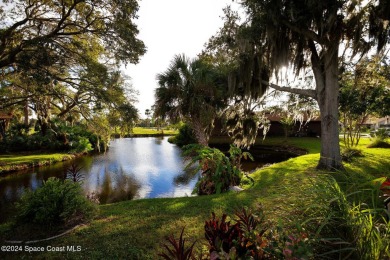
[[148, 113], [363, 92], [63, 25], [190, 90], [309, 34], [59, 57]]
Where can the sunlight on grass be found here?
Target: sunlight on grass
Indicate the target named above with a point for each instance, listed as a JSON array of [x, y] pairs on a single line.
[[153, 131], [135, 229], [11, 162]]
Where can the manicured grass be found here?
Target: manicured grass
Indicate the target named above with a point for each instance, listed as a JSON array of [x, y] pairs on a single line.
[[311, 145], [287, 191], [22, 161], [153, 131]]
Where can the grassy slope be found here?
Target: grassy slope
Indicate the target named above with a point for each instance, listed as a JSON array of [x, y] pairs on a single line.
[[135, 229]]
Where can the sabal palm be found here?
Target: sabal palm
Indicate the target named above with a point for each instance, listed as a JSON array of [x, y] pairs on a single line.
[[190, 90]]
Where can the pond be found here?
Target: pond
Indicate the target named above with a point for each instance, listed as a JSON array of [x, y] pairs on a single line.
[[133, 168]]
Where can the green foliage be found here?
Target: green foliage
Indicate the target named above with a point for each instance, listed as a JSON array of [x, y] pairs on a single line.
[[185, 136], [378, 143], [350, 224], [56, 202], [83, 145], [363, 92], [60, 138], [372, 234], [219, 172], [347, 153], [236, 155], [382, 134], [191, 90]]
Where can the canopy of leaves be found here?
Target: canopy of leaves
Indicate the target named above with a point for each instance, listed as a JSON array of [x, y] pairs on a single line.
[[27, 26], [191, 90]]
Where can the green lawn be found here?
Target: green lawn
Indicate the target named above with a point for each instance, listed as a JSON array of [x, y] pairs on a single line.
[[153, 131], [289, 192], [20, 161]]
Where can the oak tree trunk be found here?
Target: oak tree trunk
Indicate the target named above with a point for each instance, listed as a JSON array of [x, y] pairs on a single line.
[[327, 97]]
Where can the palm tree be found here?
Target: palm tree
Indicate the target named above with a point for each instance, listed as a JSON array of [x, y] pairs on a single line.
[[190, 90]]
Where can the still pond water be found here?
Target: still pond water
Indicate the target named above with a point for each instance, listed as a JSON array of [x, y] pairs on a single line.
[[133, 168]]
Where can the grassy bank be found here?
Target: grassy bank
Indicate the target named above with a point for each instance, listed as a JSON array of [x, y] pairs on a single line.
[[140, 131], [15, 162], [290, 192]]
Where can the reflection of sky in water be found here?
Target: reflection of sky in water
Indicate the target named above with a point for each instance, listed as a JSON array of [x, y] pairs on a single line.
[[152, 163], [133, 167]]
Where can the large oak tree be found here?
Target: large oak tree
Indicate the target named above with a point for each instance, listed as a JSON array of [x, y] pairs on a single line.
[[310, 34], [28, 24]]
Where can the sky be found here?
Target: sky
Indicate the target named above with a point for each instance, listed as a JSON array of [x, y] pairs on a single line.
[[168, 28]]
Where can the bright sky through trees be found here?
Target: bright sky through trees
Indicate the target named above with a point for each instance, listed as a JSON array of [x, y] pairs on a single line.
[[167, 28]]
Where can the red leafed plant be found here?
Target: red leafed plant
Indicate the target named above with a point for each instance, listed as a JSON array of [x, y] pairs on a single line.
[[242, 240], [220, 234], [176, 249]]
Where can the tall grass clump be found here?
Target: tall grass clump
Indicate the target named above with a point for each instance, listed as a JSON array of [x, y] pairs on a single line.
[[380, 140], [348, 226], [371, 232]]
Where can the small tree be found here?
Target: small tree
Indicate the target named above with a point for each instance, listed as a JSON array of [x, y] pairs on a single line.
[[363, 92]]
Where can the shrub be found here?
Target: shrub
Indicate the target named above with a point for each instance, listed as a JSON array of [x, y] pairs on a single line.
[[55, 203], [218, 171], [60, 138], [82, 145], [243, 240], [185, 136]]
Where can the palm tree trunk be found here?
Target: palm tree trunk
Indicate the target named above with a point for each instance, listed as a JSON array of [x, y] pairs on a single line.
[[200, 132]]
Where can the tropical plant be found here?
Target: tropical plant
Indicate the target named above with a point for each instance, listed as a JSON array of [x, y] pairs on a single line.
[[176, 249], [190, 90], [218, 172], [236, 155]]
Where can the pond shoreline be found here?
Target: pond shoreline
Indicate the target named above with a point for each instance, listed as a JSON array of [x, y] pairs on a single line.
[[6, 168]]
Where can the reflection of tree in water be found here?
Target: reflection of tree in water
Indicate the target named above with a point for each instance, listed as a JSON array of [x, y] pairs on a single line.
[[186, 176], [158, 140], [118, 187]]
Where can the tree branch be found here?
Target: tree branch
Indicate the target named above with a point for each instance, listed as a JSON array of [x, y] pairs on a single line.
[[300, 91], [311, 35]]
